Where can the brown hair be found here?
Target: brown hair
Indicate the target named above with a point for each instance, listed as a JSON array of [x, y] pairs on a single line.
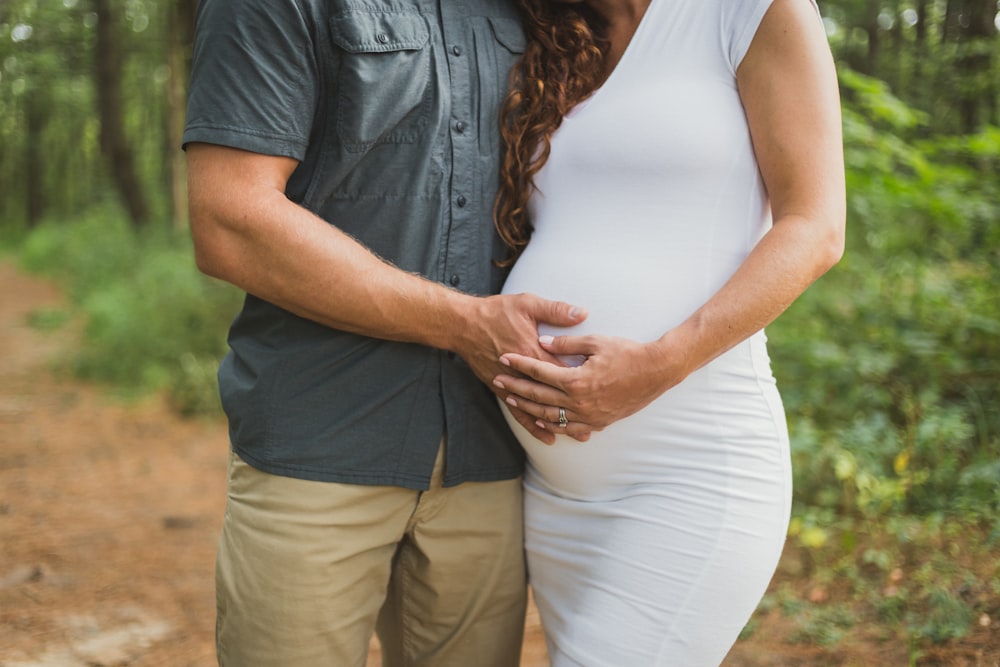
[[562, 65]]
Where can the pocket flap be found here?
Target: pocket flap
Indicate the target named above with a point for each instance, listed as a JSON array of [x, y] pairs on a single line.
[[509, 33], [365, 31]]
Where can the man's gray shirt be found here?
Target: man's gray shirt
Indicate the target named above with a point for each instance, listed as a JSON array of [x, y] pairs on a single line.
[[391, 108]]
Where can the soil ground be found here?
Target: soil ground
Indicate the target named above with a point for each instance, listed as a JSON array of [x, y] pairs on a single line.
[[109, 514]]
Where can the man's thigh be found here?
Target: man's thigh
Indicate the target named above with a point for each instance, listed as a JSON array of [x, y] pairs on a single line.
[[303, 568], [458, 590]]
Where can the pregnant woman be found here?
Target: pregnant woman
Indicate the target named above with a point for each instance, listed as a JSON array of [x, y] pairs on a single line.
[[677, 166]]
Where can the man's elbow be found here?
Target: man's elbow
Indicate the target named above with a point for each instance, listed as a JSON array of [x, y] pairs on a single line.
[[210, 248]]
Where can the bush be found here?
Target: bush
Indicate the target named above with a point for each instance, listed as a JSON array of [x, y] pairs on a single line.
[[890, 365], [148, 311]]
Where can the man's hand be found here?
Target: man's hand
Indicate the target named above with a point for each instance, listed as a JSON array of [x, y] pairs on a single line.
[[509, 323]]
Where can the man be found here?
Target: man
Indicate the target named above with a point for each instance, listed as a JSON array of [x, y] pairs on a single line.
[[342, 169]]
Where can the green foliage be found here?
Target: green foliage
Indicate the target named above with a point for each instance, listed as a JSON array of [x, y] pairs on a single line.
[[49, 319], [912, 580], [890, 371], [53, 163], [152, 320], [937, 56], [890, 365], [193, 388], [947, 617], [86, 255], [824, 626]]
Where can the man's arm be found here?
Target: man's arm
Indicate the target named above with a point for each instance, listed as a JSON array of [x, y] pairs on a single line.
[[248, 233]]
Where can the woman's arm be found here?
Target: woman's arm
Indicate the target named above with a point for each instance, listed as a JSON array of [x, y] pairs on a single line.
[[788, 86]]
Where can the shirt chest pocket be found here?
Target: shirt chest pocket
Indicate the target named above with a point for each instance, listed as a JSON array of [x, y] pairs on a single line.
[[383, 80]]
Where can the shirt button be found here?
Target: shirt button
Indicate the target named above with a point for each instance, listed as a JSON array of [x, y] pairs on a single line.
[[461, 201], [456, 50], [455, 280], [460, 127], [382, 37]]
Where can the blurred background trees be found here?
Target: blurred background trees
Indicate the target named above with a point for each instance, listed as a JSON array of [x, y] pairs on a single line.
[[92, 107], [92, 91]]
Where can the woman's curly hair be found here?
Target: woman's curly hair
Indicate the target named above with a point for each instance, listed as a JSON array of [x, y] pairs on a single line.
[[563, 63]]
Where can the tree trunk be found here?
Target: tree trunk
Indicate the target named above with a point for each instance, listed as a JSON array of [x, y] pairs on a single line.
[[114, 143], [984, 30], [975, 30], [950, 21], [36, 113], [874, 43], [920, 46], [180, 22], [898, 73]]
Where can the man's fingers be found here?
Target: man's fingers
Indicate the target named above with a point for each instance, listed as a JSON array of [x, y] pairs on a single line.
[[559, 313], [569, 346], [546, 416], [542, 371]]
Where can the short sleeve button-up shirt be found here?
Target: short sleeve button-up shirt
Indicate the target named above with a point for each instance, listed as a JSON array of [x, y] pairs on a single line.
[[391, 110]]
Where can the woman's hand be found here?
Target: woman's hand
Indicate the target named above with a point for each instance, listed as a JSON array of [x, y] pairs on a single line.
[[618, 377], [492, 325]]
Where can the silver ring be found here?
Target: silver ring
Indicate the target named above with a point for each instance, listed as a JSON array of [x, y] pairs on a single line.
[[562, 418]]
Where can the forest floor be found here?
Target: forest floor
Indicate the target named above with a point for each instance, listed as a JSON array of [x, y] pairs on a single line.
[[110, 509]]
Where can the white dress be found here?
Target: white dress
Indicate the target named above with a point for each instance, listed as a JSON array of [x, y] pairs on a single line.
[[652, 543]]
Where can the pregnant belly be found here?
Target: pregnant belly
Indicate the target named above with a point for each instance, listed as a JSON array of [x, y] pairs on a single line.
[[636, 294], [646, 446], [724, 419]]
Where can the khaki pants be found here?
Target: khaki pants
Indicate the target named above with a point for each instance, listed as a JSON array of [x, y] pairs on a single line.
[[306, 570]]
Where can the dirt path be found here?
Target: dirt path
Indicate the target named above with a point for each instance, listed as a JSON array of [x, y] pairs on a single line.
[[108, 511]]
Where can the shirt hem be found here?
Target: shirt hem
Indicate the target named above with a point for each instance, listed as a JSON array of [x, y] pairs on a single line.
[[249, 140], [369, 478]]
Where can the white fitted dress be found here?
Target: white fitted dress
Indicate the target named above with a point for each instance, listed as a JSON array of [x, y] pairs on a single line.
[[652, 543]]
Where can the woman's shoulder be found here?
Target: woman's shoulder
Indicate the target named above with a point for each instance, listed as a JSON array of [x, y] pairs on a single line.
[[729, 16], [739, 22]]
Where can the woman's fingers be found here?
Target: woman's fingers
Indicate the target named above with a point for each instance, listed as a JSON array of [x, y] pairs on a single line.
[[542, 403], [532, 390], [550, 419], [531, 424]]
